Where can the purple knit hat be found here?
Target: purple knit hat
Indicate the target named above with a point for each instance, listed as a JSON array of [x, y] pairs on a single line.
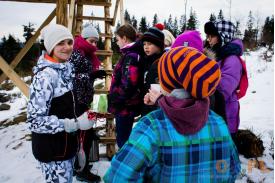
[[189, 39]]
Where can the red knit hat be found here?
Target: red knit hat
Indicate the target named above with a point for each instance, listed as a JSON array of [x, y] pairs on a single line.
[[185, 67], [160, 26]]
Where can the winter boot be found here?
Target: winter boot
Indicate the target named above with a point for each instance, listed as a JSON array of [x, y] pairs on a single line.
[[87, 176]]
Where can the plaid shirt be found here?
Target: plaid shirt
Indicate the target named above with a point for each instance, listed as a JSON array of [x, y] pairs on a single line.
[[156, 152]]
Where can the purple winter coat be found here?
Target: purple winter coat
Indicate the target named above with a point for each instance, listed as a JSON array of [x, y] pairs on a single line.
[[231, 73]]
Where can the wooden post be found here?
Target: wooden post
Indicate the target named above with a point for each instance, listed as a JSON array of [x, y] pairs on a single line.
[[61, 12], [122, 13], [14, 77], [28, 45], [110, 132], [71, 15], [79, 12], [115, 12]]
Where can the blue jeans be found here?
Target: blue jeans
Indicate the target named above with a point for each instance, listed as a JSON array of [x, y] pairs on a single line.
[[123, 129]]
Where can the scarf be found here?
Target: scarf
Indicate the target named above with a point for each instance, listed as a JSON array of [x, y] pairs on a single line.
[[87, 50]]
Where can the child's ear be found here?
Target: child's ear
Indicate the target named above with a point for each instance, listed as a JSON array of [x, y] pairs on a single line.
[[124, 38]]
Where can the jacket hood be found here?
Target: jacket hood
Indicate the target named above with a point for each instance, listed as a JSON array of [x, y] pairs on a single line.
[[188, 116], [134, 47], [233, 48], [65, 68]]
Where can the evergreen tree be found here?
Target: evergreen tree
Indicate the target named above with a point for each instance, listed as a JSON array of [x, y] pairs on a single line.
[[175, 31], [267, 36], [28, 31], [238, 31], [134, 22], [155, 20], [29, 60], [100, 43], [192, 21], [250, 33], [182, 24], [169, 25], [220, 16], [165, 24], [212, 17], [143, 27], [9, 48], [115, 48], [127, 17]]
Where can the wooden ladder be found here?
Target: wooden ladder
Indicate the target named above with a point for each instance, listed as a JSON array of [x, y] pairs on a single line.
[[73, 20], [109, 138]]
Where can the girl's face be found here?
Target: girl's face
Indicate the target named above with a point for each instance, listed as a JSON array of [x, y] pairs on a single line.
[[63, 50], [121, 41], [212, 40], [150, 48], [92, 41]]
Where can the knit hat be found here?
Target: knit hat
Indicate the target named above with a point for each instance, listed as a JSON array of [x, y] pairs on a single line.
[[160, 26], [189, 39], [52, 34], [187, 68], [224, 29], [155, 36], [168, 37], [89, 31]]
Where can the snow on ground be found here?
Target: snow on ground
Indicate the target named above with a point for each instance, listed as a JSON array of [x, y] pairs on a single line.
[[19, 166]]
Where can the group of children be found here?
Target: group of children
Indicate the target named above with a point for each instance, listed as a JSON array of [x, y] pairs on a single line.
[[186, 127]]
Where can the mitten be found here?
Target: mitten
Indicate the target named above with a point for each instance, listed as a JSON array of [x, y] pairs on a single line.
[[84, 123], [70, 125]]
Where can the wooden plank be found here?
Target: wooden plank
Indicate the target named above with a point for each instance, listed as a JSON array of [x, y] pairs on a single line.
[[115, 12], [122, 21], [107, 140], [61, 12], [105, 35], [101, 91], [79, 12], [71, 15], [14, 77], [110, 20], [104, 52], [84, 2], [28, 45]]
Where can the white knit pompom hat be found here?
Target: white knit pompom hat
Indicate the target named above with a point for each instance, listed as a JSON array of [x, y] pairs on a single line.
[[52, 34], [89, 31]]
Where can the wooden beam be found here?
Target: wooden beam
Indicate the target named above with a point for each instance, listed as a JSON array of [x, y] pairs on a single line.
[[104, 52], [84, 2], [61, 12], [105, 35], [95, 18], [71, 15], [122, 21], [28, 45], [4, 66], [115, 12], [78, 26]]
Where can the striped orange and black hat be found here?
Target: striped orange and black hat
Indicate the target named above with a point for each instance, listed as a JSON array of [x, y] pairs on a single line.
[[185, 67]]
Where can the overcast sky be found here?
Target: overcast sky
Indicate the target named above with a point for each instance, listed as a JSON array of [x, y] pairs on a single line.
[[15, 14]]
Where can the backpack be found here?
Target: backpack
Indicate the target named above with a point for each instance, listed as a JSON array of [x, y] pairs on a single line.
[[243, 85]]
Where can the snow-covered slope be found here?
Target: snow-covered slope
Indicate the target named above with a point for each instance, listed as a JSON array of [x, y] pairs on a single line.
[[17, 164]]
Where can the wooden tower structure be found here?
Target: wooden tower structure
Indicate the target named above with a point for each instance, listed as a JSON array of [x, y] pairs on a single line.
[[70, 14]]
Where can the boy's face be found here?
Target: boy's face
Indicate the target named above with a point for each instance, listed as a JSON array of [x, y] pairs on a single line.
[[150, 48]]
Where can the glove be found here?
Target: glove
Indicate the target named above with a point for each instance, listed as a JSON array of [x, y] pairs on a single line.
[[82, 123], [70, 125], [99, 74]]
